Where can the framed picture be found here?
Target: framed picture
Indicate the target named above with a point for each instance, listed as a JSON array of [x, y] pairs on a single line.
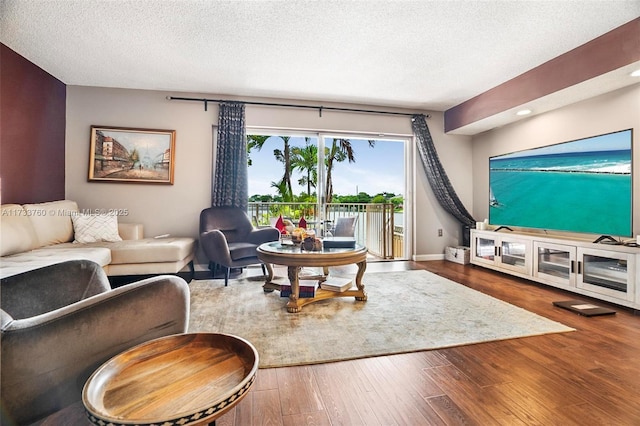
[[123, 154]]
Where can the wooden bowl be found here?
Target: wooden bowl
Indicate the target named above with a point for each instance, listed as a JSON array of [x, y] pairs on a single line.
[[180, 379]]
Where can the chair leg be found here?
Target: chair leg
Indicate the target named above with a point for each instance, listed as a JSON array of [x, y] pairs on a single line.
[[213, 267], [227, 272], [264, 271]]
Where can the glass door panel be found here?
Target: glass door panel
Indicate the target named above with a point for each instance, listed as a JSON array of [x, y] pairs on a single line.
[[605, 272], [513, 253], [486, 249], [554, 262], [366, 178]]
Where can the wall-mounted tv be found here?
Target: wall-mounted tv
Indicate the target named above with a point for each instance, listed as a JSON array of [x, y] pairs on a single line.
[[582, 186]]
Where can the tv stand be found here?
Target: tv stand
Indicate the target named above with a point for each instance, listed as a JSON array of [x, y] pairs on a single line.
[[604, 269], [607, 239]]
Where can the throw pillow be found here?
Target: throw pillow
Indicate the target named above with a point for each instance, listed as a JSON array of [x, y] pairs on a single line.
[[93, 228]]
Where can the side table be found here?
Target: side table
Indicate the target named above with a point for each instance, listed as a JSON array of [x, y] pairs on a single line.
[[183, 379]]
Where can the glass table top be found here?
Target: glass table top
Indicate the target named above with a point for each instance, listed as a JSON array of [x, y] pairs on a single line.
[[276, 247]]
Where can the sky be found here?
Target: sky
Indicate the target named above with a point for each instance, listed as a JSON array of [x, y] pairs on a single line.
[[375, 170], [609, 142], [148, 143]]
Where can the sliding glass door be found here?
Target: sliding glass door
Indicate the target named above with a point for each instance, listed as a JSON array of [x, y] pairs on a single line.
[[358, 176]]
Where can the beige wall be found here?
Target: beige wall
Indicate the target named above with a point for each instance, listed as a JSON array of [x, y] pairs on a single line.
[[175, 208], [614, 111]]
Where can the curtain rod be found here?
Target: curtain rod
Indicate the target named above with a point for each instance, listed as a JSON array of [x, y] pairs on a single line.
[[319, 108]]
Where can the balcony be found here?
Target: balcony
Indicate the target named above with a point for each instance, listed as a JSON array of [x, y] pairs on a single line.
[[377, 227]]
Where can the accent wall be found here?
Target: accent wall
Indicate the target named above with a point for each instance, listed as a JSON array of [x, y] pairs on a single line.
[[32, 135]]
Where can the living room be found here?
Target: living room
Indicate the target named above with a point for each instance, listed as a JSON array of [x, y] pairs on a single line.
[[46, 137], [464, 156]]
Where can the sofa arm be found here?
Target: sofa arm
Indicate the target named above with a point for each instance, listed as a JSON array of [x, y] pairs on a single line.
[[47, 359], [131, 231]]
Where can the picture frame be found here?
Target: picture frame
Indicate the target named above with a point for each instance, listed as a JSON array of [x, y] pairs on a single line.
[[132, 155]]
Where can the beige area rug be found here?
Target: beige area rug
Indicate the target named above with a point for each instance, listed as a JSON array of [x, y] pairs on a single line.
[[405, 312]]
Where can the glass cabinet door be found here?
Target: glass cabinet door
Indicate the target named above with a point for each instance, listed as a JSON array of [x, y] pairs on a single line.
[[483, 250], [486, 248], [605, 272], [515, 254], [555, 263]]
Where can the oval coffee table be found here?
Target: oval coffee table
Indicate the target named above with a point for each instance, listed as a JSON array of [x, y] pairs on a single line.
[[183, 379], [294, 257]]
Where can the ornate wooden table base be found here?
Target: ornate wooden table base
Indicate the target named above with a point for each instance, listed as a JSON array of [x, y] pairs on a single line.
[[295, 258]]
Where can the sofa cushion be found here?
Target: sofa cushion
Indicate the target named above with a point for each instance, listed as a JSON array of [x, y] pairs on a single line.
[[45, 256], [17, 231], [52, 221], [91, 228], [146, 250]]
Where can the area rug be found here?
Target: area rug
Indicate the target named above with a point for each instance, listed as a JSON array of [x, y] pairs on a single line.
[[406, 311]]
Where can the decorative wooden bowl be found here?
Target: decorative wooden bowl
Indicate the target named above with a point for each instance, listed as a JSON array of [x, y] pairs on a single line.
[[184, 379]]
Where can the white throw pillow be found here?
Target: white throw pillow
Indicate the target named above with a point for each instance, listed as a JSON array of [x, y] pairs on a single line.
[[90, 228]]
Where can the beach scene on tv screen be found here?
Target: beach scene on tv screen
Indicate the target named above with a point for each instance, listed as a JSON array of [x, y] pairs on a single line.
[[579, 186]]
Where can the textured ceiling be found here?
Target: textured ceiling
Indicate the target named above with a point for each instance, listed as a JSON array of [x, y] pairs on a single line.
[[412, 54]]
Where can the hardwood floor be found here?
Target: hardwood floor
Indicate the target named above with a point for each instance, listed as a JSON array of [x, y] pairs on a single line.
[[587, 377]]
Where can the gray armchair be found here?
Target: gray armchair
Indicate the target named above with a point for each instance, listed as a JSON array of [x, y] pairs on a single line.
[[228, 238], [345, 227], [61, 322]]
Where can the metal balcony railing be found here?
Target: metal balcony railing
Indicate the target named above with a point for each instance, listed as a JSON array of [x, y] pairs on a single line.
[[375, 228]]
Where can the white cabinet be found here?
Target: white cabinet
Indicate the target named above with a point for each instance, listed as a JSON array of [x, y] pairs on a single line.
[[607, 272]]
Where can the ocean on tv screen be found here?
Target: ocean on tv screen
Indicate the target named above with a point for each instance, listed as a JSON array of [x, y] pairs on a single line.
[[586, 192]]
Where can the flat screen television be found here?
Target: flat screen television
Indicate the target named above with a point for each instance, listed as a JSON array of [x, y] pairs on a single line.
[[581, 186]]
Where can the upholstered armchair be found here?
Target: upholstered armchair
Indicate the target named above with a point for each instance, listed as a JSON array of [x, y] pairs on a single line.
[[61, 322], [228, 238], [345, 227]]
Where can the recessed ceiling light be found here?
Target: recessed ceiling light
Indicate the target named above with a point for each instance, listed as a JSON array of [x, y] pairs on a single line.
[[636, 73], [523, 112]]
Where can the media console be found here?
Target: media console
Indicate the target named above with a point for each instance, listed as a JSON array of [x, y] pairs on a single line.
[[605, 272]]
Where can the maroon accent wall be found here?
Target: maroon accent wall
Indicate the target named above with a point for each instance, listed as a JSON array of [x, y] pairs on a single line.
[[606, 53], [32, 131]]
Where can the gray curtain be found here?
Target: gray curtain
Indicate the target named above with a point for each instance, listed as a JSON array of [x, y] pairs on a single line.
[[436, 175], [230, 186]]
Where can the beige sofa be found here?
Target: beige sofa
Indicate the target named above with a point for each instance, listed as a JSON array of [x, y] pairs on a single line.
[[37, 235]]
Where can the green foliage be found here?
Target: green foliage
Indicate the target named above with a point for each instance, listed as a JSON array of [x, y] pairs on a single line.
[[257, 198], [305, 159]]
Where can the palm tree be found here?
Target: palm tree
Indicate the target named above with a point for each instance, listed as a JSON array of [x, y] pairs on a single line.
[[254, 142], [339, 151], [284, 156], [305, 159]]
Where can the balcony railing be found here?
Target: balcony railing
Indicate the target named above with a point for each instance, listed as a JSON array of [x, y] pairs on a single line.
[[376, 227]]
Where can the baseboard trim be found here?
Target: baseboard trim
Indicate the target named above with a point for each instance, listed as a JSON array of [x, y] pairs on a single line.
[[425, 257]]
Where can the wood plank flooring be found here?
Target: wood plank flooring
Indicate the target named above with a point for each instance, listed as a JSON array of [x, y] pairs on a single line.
[[587, 377]]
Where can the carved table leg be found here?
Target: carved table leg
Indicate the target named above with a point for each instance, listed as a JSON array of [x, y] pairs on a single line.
[[362, 266], [292, 305], [268, 287]]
